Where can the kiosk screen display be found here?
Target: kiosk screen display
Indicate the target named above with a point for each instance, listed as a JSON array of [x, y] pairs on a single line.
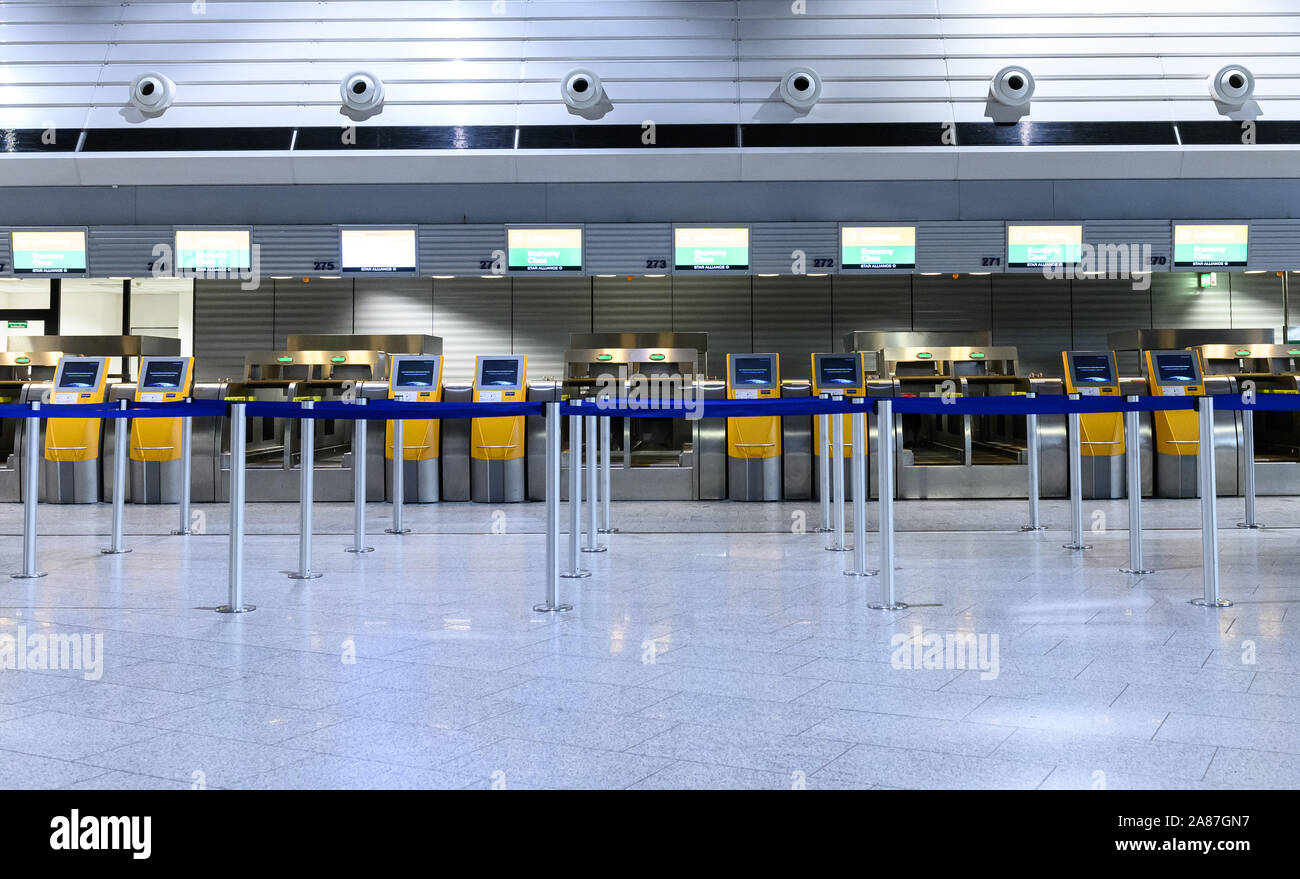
[[838, 372], [752, 371], [164, 374], [1177, 369], [1092, 369], [416, 373], [498, 373], [79, 374]]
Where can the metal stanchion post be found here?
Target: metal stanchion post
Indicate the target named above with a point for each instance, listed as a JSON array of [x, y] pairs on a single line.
[[359, 430], [860, 568], [575, 571], [238, 442], [552, 603], [399, 480], [31, 493], [1248, 442], [183, 507], [306, 489], [593, 482], [837, 479], [824, 468], [120, 442], [1076, 483], [885, 446], [1133, 481], [606, 464], [1031, 441], [1209, 507]]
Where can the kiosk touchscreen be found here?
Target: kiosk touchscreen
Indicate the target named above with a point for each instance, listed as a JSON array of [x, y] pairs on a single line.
[[497, 444], [416, 378], [839, 375], [1175, 373], [1101, 434], [754, 442]]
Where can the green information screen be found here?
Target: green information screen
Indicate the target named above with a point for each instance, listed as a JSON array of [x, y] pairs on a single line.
[[1197, 246], [716, 250], [1030, 247], [544, 250], [49, 253], [213, 249], [876, 248]]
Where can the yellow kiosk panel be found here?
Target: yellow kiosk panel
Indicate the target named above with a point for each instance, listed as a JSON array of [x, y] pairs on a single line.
[[162, 380], [754, 377], [499, 379], [840, 375], [77, 381], [415, 378], [1175, 373], [1095, 374]]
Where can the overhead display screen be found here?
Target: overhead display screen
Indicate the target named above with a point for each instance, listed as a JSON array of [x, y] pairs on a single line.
[[753, 372], [1032, 247], [544, 250], [711, 250], [213, 249], [1092, 369], [876, 248], [416, 373], [1210, 246], [50, 253], [1177, 368], [77, 374], [377, 251], [503, 373], [838, 371], [164, 375]]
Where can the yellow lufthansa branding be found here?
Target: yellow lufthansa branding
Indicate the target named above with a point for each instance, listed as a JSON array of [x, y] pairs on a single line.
[[499, 379], [841, 375], [1175, 373], [754, 377], [415, 378], [162, 380], [77, 381], [1095, 374]]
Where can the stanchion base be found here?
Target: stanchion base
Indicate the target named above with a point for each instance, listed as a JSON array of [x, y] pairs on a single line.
[[397, 530], [606, 530], [1251, 525], [1033, 527], [35, 576], [111, 551], [862, 573], [575, 575], [839, 549], [595, 549], [179, 532], [1201, 602], [359, 549], [547, 608], [898, 605], [310, 575], [1136, 571], [1076, 546], [243, 608], [822, 529]]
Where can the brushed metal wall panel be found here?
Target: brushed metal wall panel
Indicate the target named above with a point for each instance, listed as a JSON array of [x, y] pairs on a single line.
[[1176, 301], [298, 250], [1099, 307], [466, 250], [870, 302], [719, 306], [961, 246], [394, 305], [638, 305], [126, 251], [1256, 300], [6, 254], [1032, 314], [792, 316], [473, 317], [316, 308], [545, 311], [946, 303], [1274, 245], [1155, 234], [228, 323], [627, 248], [773, 247]]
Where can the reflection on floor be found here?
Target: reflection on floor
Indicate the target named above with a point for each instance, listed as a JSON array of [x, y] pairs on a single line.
[[701, 653]]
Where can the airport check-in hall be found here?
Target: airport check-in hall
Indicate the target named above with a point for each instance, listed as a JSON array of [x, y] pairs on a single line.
[[682, 395]]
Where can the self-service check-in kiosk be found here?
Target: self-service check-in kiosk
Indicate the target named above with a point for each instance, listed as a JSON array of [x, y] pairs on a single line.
[[416, 378], [837, 375], [497, 473], [1175, 373], [156, 448], [72, 444], [754, 443], [1101, 434]]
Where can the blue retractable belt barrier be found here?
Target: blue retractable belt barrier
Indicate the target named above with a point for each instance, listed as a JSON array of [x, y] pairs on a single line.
[[387, 410], [789, 406], [199, 409]]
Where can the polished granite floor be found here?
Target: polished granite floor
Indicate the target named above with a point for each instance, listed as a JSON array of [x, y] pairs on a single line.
[[712, 647]]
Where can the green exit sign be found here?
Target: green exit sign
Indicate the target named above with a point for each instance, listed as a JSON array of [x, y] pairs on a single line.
[[17, 324]]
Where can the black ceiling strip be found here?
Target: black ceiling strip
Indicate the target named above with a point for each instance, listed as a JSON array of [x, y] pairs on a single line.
[[187, 140], [843, 134], [1066, 134], [38, 140], [1234, 133], [612, 137], [408, 137]]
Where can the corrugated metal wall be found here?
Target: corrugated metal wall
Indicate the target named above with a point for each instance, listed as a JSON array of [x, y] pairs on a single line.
[[279, 63], [790, 315]]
